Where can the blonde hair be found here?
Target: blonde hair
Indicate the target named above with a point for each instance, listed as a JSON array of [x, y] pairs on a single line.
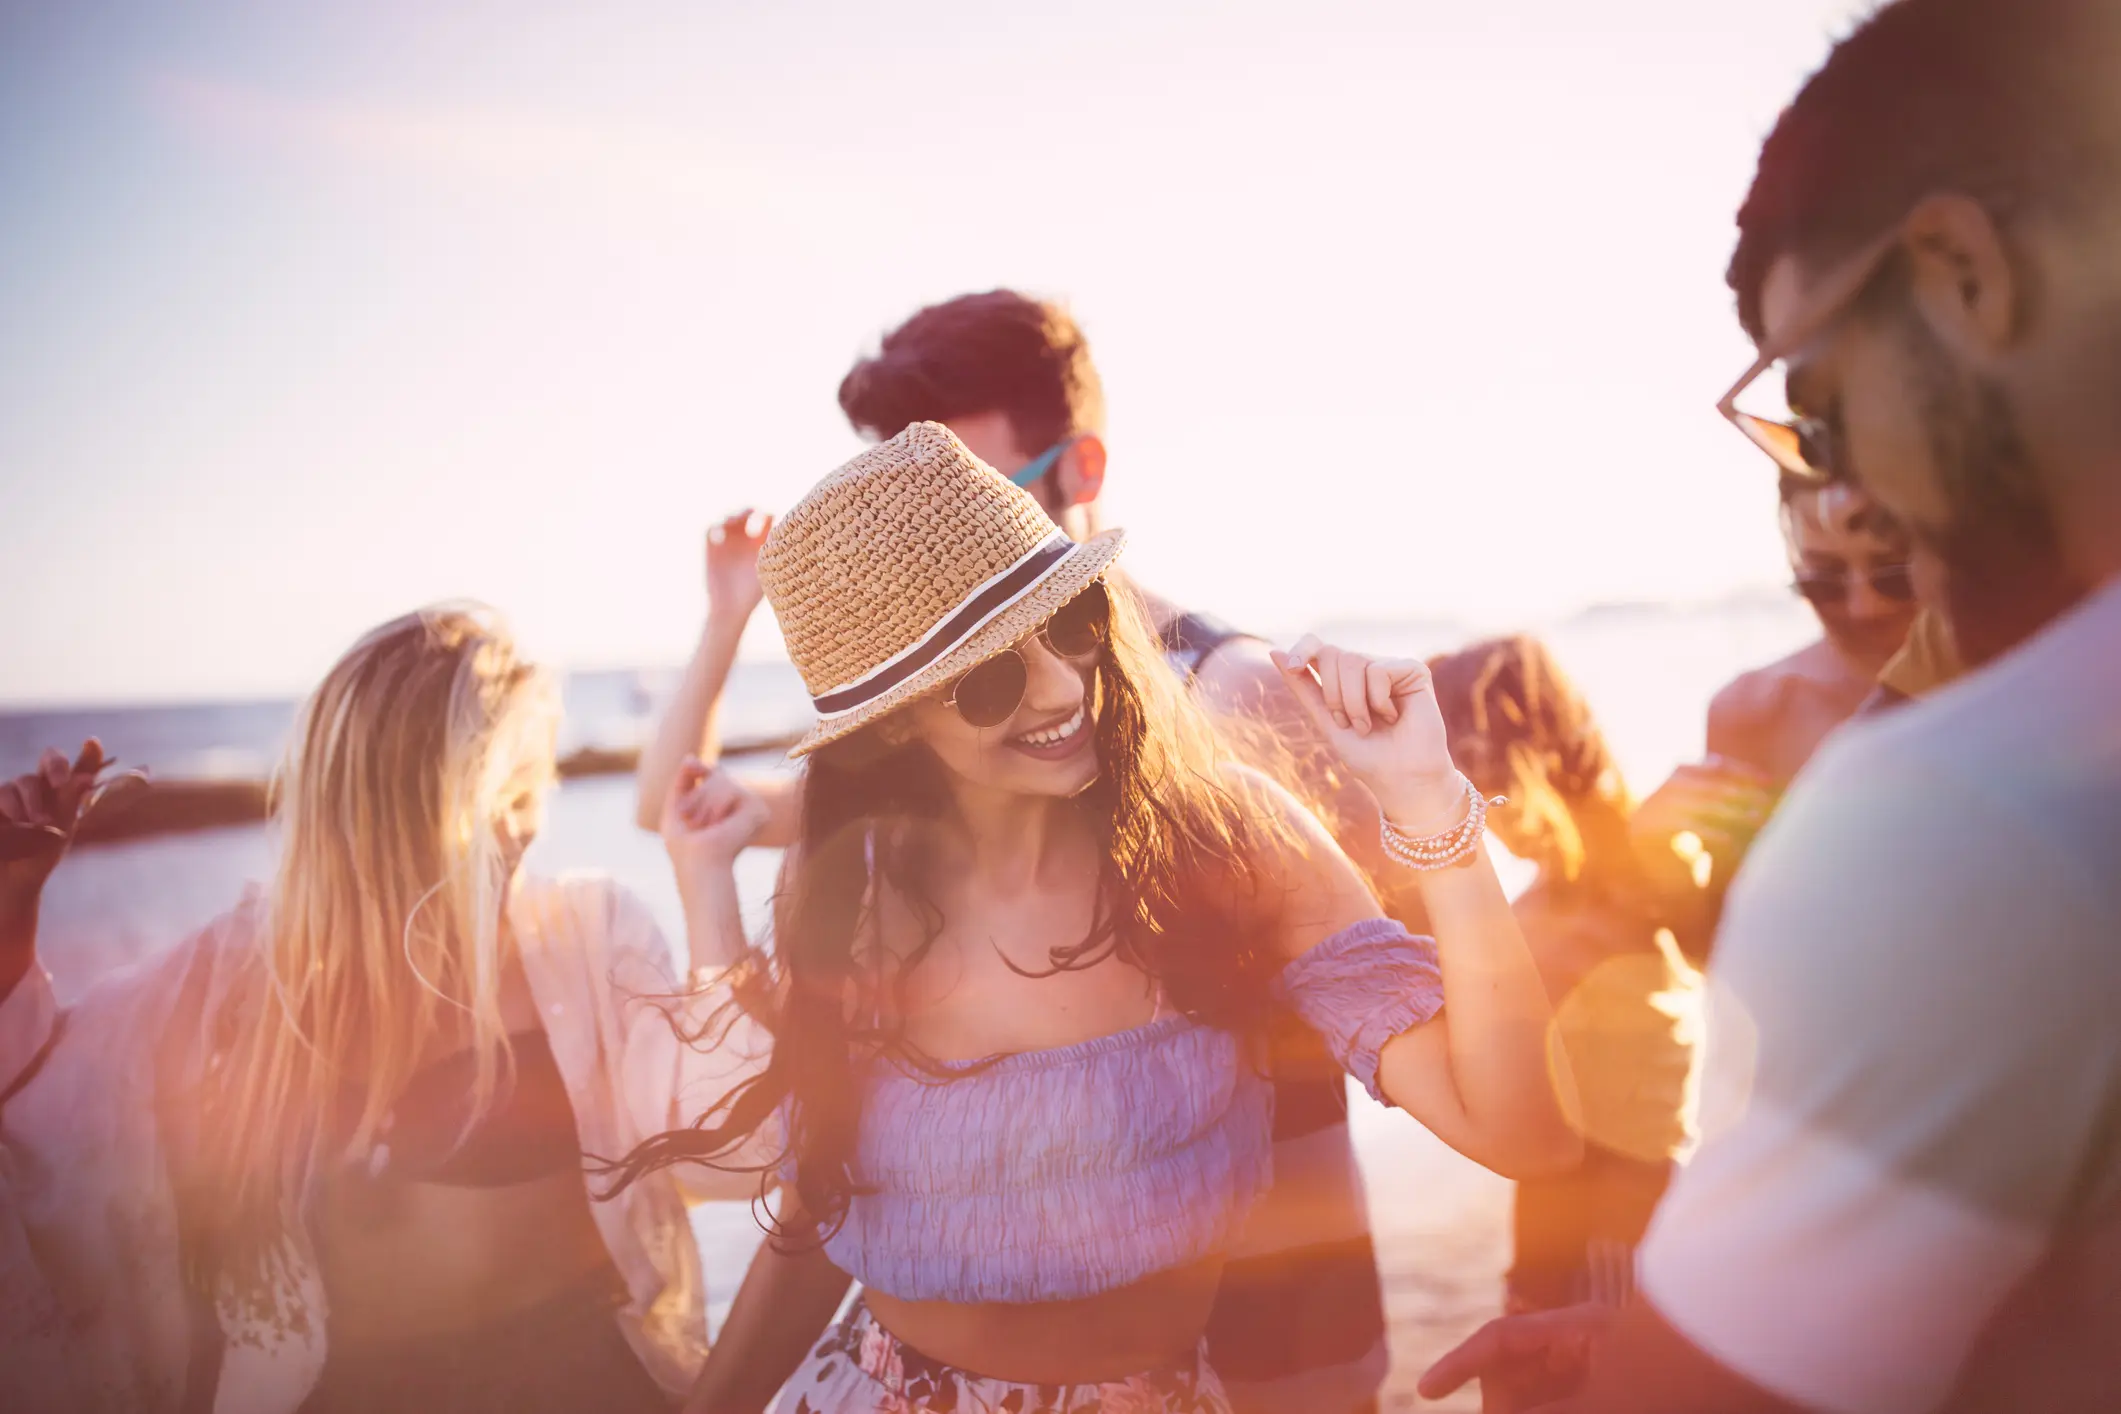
[[383, 929]]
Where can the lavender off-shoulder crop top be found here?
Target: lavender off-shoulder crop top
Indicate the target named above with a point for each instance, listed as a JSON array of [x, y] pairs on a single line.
[[1050, 1175]]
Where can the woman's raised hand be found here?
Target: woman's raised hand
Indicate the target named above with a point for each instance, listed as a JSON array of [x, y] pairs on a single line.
[[39, 812], [1380, 716], [709, 818], [733, 563], [40, 809]]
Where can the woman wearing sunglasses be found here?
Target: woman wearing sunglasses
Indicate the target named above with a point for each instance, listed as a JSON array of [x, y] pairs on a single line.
[[1026, 940], [1849, 561]]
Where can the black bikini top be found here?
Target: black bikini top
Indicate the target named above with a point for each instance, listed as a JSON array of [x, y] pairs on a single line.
[[529, 1132]]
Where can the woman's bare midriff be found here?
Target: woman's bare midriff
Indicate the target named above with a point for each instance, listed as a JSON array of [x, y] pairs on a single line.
[[1155, 1322], [408, 1261]]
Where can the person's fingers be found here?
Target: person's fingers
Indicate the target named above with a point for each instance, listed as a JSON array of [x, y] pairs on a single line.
[[1326, 664], [1353, 670], [1679, 797], [720, 798], [1410, 676], [1556, 1341], [88, 765], [1305, 649], [701, 807], [1688, 780], [1666, 820], [677, 800], [1694, 789], [117, 793], [1739, 816], [1710, 839], [1685, 804], [1746, 804], [40, 801], [63, 791], [1733, 769], [13, 808], [1296, 671], [71, 798], [1384, 702], [1478, 1355]]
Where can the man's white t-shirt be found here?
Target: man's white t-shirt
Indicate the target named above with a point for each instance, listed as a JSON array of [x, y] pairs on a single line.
[[1913, 1083]]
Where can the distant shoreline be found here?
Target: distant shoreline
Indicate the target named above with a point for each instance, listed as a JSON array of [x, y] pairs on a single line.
[[180, 806]]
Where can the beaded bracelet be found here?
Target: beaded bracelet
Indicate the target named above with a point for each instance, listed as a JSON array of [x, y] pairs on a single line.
[[1454, 846]]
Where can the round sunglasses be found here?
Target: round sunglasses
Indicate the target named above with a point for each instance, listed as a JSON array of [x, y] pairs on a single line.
[[1831, 591], [989, 694]]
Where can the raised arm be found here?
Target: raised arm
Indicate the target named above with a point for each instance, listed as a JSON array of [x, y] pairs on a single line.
[[39, 812], [1479, 1073], [692, 1044], [707, 818], [1241, 680], [690, 728]]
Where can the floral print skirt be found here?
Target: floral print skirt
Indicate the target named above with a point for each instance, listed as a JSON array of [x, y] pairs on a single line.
[[861, 1368]]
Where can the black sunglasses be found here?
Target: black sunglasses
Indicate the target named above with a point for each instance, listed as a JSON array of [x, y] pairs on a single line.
[[1831, 591], [989, 695]]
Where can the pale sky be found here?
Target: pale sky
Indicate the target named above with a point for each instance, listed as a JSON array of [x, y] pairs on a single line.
[[311, 314]]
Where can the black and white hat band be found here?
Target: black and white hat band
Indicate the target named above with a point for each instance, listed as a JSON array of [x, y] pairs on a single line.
[[978, 609]]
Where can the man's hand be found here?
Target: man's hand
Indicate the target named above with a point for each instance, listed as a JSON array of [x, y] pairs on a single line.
[[1523, 1362], [1691, 835], [1721, 803]]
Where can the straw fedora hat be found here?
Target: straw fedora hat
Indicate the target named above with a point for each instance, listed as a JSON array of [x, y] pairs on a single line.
[[909, 565]]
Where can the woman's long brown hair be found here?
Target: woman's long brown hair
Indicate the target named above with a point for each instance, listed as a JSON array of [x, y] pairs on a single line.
[[1519, 728], [1181, 894]]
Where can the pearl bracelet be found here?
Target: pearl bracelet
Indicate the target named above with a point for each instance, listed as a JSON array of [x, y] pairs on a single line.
[[1454, 846]]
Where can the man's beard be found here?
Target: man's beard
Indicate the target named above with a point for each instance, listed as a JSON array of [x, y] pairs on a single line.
[[2005, 578]]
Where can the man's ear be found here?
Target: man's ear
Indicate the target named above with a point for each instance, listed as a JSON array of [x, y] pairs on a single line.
[[1079, 475], [1962, 282]]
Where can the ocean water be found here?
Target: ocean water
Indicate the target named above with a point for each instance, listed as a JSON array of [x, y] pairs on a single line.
[[1648, 674]]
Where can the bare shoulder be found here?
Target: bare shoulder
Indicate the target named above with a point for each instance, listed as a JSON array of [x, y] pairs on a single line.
[[1752, 701], [1753, 693], [1239, 676], [1317, 888], [1264, 797], [1775, 716]]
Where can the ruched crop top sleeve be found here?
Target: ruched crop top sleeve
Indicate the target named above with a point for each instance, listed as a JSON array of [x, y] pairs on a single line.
[[1363, 986]]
